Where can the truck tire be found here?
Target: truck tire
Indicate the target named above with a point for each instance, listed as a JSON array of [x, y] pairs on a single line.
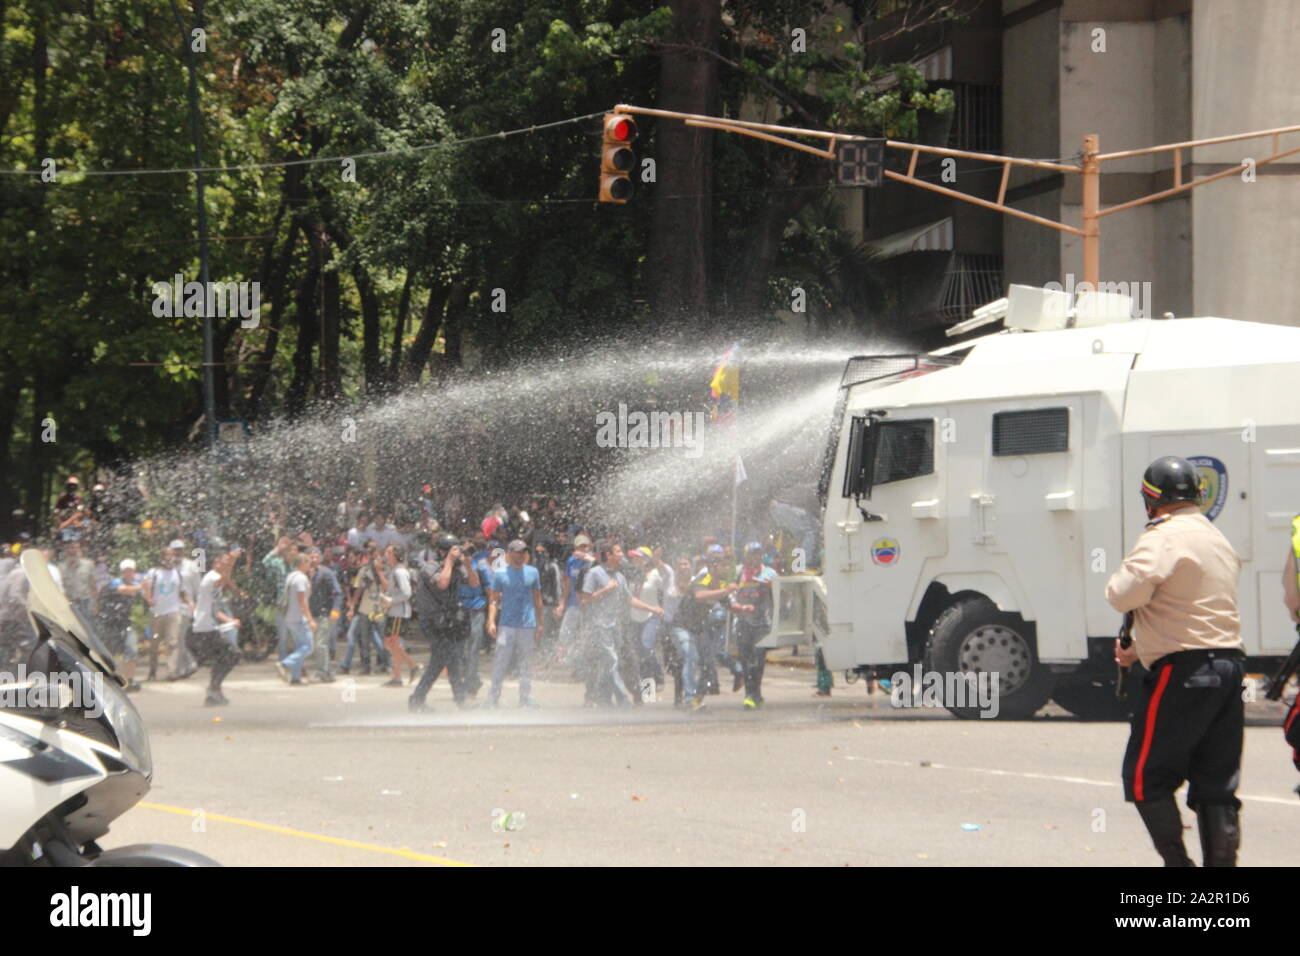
[[1094, 698], [972, 635]]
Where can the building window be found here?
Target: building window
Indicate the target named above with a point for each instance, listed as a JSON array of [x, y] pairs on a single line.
[[971, 281], [976, 117]]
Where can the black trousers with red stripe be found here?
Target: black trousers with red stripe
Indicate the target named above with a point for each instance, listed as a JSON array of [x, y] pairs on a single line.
[[1291, 726], [1187, 726]]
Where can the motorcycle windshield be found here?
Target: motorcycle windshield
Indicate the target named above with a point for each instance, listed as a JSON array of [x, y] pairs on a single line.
[[71, 677], [44, 597]]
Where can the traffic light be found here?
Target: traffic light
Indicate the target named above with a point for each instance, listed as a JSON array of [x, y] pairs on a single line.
[[617, 158]]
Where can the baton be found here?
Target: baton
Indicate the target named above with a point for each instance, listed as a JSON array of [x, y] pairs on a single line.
[[1278, 683]]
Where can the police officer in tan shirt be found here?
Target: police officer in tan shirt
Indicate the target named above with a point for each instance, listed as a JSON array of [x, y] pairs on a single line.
[[1180, 582]]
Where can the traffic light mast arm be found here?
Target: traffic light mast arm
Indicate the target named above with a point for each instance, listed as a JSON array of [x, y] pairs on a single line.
[[727, 128], [1177, 149], [1089, 169], [1006, 161], [747, 128]]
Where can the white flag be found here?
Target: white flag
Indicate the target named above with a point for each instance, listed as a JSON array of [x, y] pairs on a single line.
[[740, 471]]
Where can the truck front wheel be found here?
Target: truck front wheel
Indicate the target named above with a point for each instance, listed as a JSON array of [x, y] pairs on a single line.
[[973, 637], [1093, 697]]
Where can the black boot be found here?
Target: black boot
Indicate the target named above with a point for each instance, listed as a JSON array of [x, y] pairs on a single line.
[[1220, 834], [1165, 825]]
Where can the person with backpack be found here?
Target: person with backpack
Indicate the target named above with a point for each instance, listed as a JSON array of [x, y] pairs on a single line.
[[164, 592]]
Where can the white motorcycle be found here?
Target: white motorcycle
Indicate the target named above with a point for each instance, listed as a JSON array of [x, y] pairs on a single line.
[[74, 754]]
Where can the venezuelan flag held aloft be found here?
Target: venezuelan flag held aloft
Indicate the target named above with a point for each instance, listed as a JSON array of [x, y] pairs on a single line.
[[725, 387]]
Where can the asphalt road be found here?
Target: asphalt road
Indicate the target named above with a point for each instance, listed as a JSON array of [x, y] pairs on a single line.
[[341, 774]]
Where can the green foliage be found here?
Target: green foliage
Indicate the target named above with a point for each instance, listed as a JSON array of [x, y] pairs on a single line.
[[445, 219]]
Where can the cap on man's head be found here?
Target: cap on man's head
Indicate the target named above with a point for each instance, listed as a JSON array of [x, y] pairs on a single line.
[[715, 551], [177, 544], [581, 540], [642, 552], [72, 480], [126, 564], [517, 545], [753, 546]]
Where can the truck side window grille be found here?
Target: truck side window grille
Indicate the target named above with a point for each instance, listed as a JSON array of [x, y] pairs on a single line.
[[905, 449], [1035, 432]]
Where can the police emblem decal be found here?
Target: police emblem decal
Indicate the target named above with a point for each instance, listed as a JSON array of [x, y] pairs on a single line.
[[884, 551], [1214, 484]]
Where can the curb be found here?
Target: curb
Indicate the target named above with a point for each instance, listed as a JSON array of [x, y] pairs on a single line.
[[802, 662]]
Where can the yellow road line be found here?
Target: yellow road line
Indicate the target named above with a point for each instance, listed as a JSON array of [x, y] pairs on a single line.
[[337, 841]]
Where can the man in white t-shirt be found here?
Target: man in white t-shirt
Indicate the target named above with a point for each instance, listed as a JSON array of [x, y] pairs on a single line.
[[298, 621], [209, 643], [164, 592], [190, 577], [358, 534], [655, 588]]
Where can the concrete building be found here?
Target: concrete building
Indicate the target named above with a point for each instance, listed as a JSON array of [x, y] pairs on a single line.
[[1137, 73]]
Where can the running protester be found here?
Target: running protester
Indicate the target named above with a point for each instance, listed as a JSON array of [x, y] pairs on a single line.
[[395, 580], [709, 588], [207, 643], [752, 605], [298, 621], [607, 599], [686, 653]]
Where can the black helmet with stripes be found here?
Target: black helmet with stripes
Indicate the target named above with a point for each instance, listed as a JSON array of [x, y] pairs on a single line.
[[1170, 479]]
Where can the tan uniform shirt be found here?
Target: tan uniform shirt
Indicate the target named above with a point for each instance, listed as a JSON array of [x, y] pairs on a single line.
[[1180, 580]]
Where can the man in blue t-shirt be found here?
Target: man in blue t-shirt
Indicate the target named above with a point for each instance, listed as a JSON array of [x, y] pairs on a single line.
[[516, 600], [475, 601]]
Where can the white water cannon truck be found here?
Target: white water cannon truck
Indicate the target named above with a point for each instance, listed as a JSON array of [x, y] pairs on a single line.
[[976, 498]]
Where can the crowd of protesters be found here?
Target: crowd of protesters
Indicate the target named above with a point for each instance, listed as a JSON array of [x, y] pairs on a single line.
[[619, 611]]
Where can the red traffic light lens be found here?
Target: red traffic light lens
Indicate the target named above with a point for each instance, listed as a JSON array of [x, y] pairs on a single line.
[[620, 128]]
